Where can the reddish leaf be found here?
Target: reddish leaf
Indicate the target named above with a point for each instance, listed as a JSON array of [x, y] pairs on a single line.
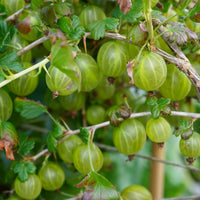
[[9, 150], [130, 66], [125, 5]]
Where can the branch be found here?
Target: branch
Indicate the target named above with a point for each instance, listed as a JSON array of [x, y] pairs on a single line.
[[14, 15], [109, 148], [104, 124], [182, 62], [34, 44], [184, 198], [15, 76]]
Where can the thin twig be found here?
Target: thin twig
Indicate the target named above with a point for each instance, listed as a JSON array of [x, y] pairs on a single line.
[[110, 148], [14, 15], [34, 44], [182, 62], [34, 128], [26, 71], [183, 198], [42, 153]]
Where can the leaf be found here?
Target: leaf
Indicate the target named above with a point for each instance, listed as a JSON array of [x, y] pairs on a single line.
[[155, 111], [85, 135], [29, 109], [61, 54], [7, 61], [125, 5], [97, 187], [62, 8], [99, 27], [22, 169], [51, 142], [111, 23], [151, 101], [73, 29], [35, 4], [77, 33], [163, 101], [76, 21], [6, 34], [184, 129], [65, 24], [3, 11], [57, 132], [25, 145]]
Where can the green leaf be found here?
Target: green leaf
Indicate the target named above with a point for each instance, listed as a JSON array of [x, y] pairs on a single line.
[[133, 15], [7, 61], [184, 129], [77, 33], [98, 187], [151, 101], [111, 23], [22, 169], [3, 11], [65, 24], [99, 27], [35, 4], [163, 101], [29, 109], [25, 145], [51, 142], [9, 57], [76, 21], [62, 8], [6, 34], [85, 135], [57, 132], [61, 54], [155, 111]]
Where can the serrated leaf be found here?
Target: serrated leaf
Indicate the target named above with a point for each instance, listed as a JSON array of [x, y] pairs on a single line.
[[3, 11], [57, 132], [62, 8], [99, 27], [7, 61], [35, 4], [51, 142], [65, 24], [77, 33], [9, 57], [22, 169], [6, 34], [25, 145], [111, 23], [61, 54], [163, 101], [85, 135], [76, 21], [155, 111], [151, 101], [98, 187], [29, 109]]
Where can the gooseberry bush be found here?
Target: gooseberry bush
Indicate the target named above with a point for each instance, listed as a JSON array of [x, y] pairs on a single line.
[[86, 85]]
